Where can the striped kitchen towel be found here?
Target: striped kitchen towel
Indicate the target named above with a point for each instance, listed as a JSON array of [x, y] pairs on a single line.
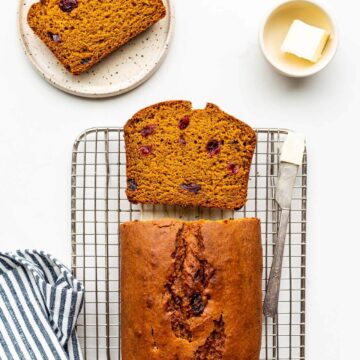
[[39, 305]]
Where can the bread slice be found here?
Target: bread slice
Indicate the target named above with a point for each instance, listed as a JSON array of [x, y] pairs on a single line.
[[82, 32], [179, 156]]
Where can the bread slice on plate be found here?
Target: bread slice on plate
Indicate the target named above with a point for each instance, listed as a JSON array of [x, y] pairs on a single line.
[[176, 155], [82, 32]]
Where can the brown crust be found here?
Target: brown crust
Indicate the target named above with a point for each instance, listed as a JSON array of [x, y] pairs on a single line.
[[232, 248], [41, 29], [236, 201], [187, 104]]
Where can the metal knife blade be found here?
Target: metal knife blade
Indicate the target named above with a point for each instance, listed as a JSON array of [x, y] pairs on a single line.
[[291, 158], [285, 185]]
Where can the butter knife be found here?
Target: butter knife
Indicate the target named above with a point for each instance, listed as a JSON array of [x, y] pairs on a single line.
[[291, 158]]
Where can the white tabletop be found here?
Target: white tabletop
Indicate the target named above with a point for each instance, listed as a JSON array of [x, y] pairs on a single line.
[[214, 57]]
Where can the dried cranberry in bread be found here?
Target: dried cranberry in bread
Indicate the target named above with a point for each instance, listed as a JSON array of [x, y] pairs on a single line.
[[82, 32], [180, 156], [191, 290]]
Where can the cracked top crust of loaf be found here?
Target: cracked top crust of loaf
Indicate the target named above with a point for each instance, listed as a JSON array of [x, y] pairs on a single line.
[[191, 290], [176, 155], [82, 32]]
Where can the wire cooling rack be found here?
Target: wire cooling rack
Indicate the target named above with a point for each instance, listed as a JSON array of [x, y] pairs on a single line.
[[99, 205]]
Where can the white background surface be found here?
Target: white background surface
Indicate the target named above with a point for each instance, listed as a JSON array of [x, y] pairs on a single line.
[[214, 57]]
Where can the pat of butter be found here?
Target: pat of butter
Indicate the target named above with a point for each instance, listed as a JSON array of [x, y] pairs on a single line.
[[305, 41]]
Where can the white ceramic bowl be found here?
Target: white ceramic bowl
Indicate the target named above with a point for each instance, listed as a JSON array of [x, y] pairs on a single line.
[[275, 27]]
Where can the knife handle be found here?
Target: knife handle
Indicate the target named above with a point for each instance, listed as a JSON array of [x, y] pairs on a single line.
[[273, 287]]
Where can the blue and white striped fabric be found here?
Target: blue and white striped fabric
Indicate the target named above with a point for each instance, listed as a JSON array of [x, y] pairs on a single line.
[[39, 305]]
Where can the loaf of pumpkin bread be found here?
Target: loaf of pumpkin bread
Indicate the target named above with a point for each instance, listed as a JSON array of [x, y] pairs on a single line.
[[176, 155], [82, 32], [191, 290]]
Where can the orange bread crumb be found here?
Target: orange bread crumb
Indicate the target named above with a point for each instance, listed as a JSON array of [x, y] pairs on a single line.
[[82, 32], [180, 156]]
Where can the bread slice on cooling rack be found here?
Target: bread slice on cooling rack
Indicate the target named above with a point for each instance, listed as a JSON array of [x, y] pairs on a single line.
[[82, 32], [176, 155]]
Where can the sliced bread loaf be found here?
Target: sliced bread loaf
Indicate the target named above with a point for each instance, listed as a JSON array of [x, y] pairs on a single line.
[[180, 156], [82, 32]]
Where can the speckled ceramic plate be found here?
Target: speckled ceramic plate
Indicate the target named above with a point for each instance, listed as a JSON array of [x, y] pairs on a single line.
[[122, 71]]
